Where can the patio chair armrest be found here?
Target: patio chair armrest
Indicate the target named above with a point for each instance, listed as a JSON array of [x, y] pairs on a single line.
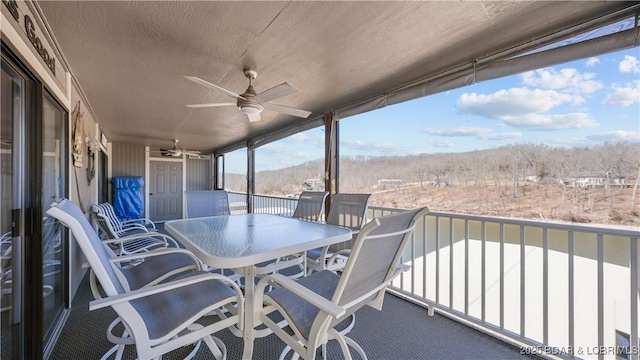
[[404, 267], [315, 299], [134, 227], [158, 252], [167, 239], [343, 253], [151, 290], [145, 222]]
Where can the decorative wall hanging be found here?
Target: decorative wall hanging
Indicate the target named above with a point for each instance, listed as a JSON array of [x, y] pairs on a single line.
[[78, 139], [93, 146]]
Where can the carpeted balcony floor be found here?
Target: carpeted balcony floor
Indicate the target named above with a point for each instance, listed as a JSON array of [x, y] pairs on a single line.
[[402, 330]]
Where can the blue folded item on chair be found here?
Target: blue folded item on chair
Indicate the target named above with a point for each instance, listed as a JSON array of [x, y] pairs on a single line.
[[128, 199]]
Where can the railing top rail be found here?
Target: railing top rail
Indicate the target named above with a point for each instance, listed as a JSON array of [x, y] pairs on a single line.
[[598, 229], [617, 231]]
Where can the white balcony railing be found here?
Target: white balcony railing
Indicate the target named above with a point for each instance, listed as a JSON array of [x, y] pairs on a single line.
[[557, 290]]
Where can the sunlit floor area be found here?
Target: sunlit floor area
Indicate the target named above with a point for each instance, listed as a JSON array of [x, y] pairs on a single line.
[[401, 330]]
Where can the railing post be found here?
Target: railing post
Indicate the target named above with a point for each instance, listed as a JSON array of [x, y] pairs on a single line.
[[600, 294], [633, 298]]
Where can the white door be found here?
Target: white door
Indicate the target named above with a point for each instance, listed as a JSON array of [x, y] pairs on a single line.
[[165, 190]]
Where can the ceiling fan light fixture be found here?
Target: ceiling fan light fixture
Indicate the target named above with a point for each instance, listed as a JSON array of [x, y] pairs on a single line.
[[251, 108]]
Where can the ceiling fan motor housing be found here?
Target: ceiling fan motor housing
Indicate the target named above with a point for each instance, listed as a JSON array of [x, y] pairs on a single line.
[[247, 102]]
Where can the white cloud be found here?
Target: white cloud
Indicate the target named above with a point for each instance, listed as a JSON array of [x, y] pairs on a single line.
[[369, 146], [623, 95], [592, 61], [502, 136], [616, 135], [512, 102], [480, 133], [298, 137], [567, 79], [630, 64], [551, 121], [442, 143], [458, 131]]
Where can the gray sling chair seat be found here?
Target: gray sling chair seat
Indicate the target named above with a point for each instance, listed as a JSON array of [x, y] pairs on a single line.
[[310, 207], [112, 228], [347, 210], [159, 309], [313, 305]]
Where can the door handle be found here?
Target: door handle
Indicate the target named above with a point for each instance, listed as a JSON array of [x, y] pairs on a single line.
[[150, 193]]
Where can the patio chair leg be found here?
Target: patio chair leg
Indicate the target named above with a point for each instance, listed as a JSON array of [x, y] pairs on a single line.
[[284, 352], [356, 347], [217, 347], [344, 344]]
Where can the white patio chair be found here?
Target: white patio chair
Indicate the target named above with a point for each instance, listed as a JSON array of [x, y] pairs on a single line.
[[313, 305], [159, 317], [112, 228], [201, 203], [347, 210], [310, 207]]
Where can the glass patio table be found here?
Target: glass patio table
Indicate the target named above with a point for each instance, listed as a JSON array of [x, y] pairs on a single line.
[[242, 241]]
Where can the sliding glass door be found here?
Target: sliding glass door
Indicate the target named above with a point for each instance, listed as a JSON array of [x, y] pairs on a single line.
[[32, 247]]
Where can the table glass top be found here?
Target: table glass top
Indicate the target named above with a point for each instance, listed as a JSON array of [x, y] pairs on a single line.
[[238, 236]]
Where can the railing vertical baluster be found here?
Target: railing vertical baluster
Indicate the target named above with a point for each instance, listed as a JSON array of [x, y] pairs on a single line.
[[571, 293], [633, 298], [438, 260], [483, 270], [545, 286], [413, 264], [501, 276], [523, 244], [424, 256], [600, 294], [451, 243], [466, 267]]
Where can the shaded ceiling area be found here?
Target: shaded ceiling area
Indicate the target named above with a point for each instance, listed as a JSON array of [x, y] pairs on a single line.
[[130, 57]]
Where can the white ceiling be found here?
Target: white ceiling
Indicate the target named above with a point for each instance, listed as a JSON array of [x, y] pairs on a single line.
[[129, 57]]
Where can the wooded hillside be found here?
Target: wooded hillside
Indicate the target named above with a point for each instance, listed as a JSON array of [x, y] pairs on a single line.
[[524, 181]]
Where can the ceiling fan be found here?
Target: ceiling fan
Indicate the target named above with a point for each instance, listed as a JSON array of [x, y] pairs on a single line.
[[176, 151], [252, 103]]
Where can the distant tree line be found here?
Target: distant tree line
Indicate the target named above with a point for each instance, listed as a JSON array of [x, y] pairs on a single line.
[[513, 166]]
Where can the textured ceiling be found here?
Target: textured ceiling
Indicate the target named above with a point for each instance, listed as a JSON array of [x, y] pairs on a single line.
[[129, 56]]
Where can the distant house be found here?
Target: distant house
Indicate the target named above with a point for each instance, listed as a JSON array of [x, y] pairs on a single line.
[[592, 180], [384, 183], [313, 184]]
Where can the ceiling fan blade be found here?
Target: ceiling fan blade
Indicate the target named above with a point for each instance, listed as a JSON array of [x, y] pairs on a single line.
[[190, 152], [277, 91], [287, 110], [197, 80], [253, 117], [210, 105]]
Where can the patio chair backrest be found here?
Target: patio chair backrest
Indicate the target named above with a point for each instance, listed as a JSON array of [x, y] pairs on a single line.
[[70, 215], [107, 220], [375, 256], [201, 203], [310, 205], [350, 211]]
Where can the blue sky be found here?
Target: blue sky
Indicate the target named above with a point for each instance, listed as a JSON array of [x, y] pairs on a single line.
[[580, 103]]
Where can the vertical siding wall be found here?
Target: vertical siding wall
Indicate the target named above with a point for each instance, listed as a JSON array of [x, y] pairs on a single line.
[[198, 174], [127, 160]]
